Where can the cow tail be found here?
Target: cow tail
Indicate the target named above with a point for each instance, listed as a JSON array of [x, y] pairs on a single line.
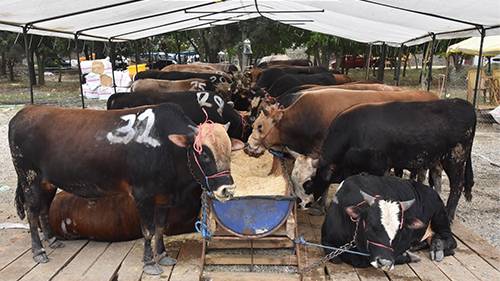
[[469, 178], [19, 200]]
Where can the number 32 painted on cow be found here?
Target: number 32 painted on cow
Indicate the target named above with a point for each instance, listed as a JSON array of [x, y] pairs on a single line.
[[138, 128]]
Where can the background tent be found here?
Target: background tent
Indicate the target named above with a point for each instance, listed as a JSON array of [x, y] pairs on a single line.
[[491, 46]]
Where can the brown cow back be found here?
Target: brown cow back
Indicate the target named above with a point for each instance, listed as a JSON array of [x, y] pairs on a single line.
[[195, 67], [157, 85]]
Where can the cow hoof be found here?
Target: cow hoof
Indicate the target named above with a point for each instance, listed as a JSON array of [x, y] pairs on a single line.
[[167, 261], [413, 257], [41, 258], [419, 246], [437, 255], [54, 243], [152, 269]]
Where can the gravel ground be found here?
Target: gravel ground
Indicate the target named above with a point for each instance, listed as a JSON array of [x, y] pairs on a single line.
[[482, 214]]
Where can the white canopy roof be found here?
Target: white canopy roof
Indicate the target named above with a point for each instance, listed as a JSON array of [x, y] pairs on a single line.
[[370, 21]]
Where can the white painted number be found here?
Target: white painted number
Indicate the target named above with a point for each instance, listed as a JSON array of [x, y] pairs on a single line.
[[213, 79], [139, 130], [197, 86]]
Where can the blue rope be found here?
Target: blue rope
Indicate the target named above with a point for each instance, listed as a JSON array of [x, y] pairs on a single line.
[[302, 241], [201, 226]]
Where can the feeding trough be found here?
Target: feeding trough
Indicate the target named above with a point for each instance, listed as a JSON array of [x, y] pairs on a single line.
[[261, 215]]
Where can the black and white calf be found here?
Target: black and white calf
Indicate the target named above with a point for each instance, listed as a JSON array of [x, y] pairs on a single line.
[[389, 214]]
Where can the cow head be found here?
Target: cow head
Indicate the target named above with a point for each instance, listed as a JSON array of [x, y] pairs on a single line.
[[264, 131], [209, 157], [380, 226]]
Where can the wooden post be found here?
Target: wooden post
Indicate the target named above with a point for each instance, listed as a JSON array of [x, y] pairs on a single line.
[[29, 62], [112, 57], [381, 64], [429, 74], [479, 63], [80, 80], [368, 60]]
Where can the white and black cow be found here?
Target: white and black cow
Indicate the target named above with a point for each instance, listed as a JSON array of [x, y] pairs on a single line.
[[196, 105], [150, 153], [389, 214], [373, 138]]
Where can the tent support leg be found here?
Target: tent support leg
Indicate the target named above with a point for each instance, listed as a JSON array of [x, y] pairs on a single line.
[[429, 74], [479, 64], [136, 57], [367, 61], [80, 80], [28, 62], [178, 48], [381, 64], [112, 57], [398, 67]]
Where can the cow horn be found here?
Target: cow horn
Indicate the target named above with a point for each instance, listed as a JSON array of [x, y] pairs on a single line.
[[405, 205], [195, 129], [226, 126], [367, 197]]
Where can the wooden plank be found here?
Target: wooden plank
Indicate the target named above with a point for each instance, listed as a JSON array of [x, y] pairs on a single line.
[[341, 271], [58, 259], [82, 262], [257, 244], [426, 269], [250, 276], [224, 259], [311, 255], [21, 266], [371, 274], [475, 264], [316, 221], [402, 272], [106, 265], [188, 265], [455, 270], [484, 249], [131, 268], [172, 251], [13, 246]]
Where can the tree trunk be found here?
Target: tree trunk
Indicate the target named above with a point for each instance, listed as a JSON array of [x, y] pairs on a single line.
[[41, 68], [10, 64], [31, 68], [407, 57], [3, 65]]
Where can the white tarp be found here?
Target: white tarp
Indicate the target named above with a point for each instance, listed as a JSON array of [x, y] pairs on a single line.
[[390, 21]]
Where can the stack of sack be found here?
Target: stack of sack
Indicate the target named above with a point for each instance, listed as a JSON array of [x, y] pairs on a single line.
[[99, 81]]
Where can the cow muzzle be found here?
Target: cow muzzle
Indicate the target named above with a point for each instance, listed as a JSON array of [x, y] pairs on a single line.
[[254, 151], [383, 264], [224, 192]]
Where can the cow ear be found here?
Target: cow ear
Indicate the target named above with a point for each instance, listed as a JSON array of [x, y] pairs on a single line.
[[226, 126], [352, 211], [181, 140], [414, 223], [367, 197], [236, 144]]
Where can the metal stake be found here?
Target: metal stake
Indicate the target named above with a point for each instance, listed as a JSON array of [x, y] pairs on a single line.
[[479, 63], [79, 70], [429, 75], [28, 61]]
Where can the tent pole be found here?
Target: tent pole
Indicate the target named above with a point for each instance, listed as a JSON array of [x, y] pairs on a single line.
[[429, 74], [112, 57], [398, 70], [28, 62], [178, 48], [368, 60], [479, 62], [79, 70], [381, 64], [136, 57]]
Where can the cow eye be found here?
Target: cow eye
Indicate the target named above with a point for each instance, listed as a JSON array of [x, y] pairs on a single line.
[[259, 127]]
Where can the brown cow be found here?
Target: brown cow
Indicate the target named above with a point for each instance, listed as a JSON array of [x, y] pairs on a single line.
[[302, 126], [157, 85], [194, 67], [360, 87], [112, 218]]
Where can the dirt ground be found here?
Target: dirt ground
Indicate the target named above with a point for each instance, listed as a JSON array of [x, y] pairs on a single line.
[[482, 214]]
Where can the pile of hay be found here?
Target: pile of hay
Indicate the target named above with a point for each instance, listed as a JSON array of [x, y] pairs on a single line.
[[251, 175]]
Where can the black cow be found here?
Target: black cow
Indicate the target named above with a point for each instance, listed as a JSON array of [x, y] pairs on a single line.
[[291, 81], [178, 75], [390, 214], [402, 135], [296, 62], [192, 103], [271, 75], [143, 151]]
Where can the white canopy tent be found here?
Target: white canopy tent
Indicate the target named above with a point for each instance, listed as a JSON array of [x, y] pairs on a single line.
[[393, 22]]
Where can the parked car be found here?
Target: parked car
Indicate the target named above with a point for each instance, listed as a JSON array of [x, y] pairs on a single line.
[[350, 61]]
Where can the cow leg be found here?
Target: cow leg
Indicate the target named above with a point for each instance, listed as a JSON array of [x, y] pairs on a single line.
[[421, 175], [435, 177], [406, 257], [47, 195], [442, 243], [32, 196], [160, 221], [455, 171], [146, 208]]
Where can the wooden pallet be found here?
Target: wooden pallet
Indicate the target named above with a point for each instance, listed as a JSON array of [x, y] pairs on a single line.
[[475, 259]]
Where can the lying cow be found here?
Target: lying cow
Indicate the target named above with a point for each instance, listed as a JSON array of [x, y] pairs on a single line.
[[194, 105], [148, 152], [116, 218], [157, 85], [402, 135], [385, 216]]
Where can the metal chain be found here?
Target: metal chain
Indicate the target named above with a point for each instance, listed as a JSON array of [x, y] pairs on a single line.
[[333, 254]]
